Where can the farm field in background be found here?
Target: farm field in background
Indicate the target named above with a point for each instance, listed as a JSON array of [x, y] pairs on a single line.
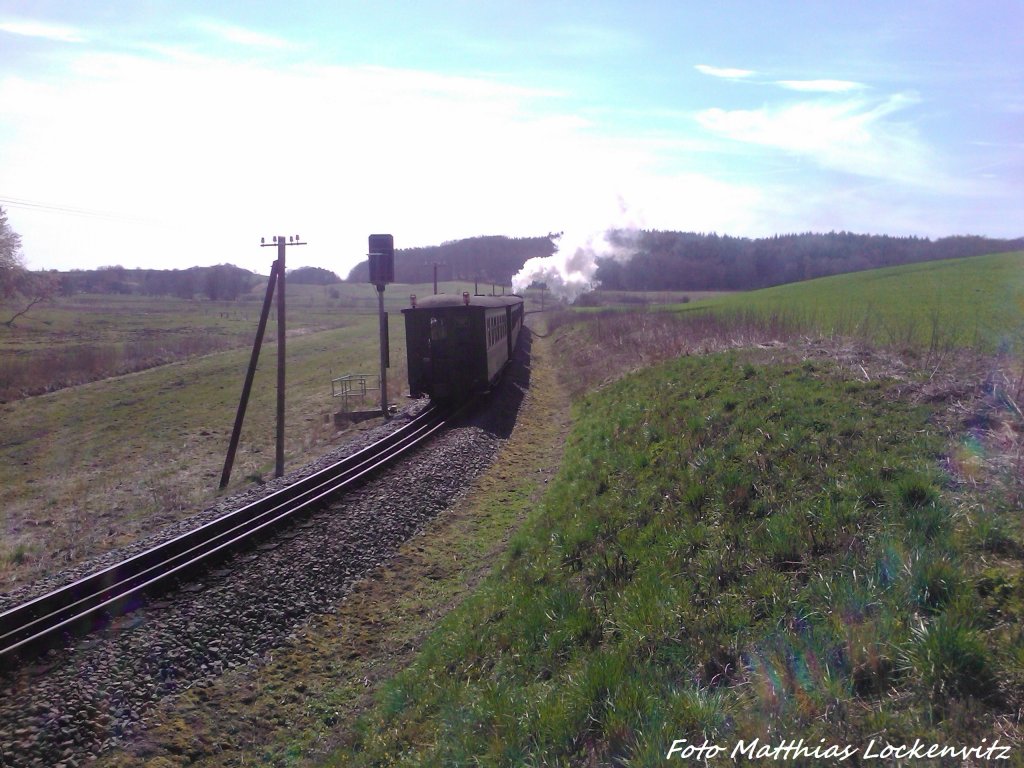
[[90, 467], [82, 338], [94, 466], [976, 302], [73, 438]]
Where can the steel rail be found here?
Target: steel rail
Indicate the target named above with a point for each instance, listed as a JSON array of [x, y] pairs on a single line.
[[82, 605]]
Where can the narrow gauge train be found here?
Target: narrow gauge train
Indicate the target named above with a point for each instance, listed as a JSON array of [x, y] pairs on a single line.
[[459, 344]]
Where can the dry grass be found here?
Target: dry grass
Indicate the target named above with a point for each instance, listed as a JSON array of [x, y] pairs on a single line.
[[49, 370], [605, 346], [97, 466]]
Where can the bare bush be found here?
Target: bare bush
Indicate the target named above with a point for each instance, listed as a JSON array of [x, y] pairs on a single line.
[[605, 345]]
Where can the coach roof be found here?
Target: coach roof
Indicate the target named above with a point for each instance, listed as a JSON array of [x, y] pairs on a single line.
[[456, 300]]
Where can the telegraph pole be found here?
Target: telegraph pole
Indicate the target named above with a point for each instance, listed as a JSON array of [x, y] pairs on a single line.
[[276, 281], [281, 243]]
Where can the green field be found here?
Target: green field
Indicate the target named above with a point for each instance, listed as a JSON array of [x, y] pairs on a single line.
[[976, 302]]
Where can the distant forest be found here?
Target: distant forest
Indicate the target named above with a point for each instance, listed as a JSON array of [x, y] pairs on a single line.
[[690, 261], [222, 282], [686, 261], [491, 259], [700, 262]]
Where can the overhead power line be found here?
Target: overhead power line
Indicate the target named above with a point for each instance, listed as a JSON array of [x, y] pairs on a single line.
[[33, 205]]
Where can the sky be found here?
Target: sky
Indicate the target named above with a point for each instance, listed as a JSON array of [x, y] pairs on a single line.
[[172, 134]]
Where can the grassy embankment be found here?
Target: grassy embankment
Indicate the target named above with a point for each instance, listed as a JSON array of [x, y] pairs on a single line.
[[90, 467], [730, 551], [976, 302], [740, 548]]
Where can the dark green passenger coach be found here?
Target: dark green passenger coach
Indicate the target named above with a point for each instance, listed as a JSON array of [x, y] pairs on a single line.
[[457, 345]]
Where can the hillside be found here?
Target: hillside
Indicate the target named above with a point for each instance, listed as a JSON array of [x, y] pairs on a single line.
[[708, 262], [798, 540], [975, 301], [743, 548]]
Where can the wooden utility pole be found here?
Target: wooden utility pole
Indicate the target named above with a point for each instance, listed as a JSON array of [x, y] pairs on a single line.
[[282, 242], [281, 335], [276, 281]]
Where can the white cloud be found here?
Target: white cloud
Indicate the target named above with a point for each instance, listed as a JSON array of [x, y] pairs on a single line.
[[55, 32], [821, 86], [242, 36], [816, 86], [854, 135], [726, 72], [223, 153]]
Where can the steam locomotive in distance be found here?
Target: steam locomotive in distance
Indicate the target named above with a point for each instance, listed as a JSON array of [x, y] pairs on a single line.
[[459, 344]]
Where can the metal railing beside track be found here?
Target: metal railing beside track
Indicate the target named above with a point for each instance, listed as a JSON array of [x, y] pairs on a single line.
[[85, 604]]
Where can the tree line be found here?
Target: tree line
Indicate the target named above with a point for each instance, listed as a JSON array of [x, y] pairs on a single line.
[[491, 259], [660, 260], [223, 282], [689, 261]]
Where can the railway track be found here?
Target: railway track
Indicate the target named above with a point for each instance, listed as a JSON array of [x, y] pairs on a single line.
[[90, 602]]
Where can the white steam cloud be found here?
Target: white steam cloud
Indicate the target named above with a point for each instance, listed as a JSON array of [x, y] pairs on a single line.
[[570, 271]]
